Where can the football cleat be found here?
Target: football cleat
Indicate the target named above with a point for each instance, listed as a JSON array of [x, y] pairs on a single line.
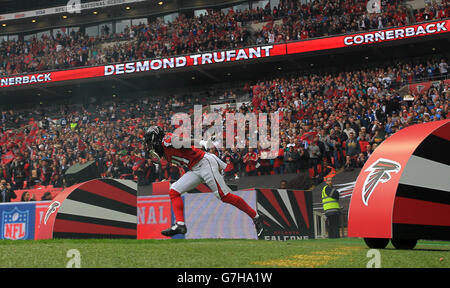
[[258, 225], [174, 230]]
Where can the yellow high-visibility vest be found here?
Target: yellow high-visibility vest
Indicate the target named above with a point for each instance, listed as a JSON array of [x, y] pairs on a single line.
[[329, 203]]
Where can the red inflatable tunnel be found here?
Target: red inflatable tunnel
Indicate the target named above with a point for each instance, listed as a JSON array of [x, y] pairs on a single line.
[[100, 208], [402, 193]]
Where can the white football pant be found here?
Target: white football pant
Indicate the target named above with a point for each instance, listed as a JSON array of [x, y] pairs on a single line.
[[205, 171]]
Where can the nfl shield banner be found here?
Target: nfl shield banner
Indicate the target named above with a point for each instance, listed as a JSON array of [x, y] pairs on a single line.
[[17, 221]]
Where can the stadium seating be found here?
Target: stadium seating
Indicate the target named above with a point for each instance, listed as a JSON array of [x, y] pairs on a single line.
[[291, 20]]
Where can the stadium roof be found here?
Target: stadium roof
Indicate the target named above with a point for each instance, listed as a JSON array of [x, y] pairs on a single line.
[[10, 6]]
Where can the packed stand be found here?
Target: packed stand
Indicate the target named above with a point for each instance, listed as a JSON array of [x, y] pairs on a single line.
[[324, 18], [214, 31], [433, 11], [339, 120]]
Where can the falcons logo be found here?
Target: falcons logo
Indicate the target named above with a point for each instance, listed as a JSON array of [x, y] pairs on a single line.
[[380, 171], [50, 210]]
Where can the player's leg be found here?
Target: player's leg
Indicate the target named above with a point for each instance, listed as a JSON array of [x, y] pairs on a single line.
[[212, 177], [187, 182]]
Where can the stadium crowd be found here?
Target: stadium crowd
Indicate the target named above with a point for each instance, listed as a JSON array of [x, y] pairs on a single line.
[[326, 119], [290, 20], [433, 11]]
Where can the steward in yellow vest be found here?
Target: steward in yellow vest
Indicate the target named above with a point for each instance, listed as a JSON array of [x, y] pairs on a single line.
[[330, 202]]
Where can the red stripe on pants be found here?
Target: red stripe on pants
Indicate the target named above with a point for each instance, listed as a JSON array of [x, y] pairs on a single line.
[[237, 202]]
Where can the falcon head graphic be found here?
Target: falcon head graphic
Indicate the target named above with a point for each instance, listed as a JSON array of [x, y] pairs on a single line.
[[380, 171], [50, 210]]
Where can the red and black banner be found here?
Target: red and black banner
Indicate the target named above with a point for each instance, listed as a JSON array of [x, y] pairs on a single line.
[[101, 208], [422, 202], [286, 214]]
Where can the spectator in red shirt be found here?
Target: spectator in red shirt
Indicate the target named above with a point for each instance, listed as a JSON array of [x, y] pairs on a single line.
[[251, 161], [278, 163]]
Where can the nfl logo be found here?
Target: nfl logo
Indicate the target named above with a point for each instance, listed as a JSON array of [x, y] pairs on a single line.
[[14, 224]]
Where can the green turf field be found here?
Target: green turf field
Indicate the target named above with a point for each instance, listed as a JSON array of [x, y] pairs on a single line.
[[345, 253]]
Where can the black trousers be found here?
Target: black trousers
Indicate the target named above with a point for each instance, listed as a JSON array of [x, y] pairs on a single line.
[[333, 225]]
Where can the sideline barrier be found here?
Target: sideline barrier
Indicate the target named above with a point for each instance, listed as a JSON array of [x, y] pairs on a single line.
[[154, 215], [208, 217], [18, 221], [76, 213], [37, 192], [160, 188], [287, 215], [403, 190]]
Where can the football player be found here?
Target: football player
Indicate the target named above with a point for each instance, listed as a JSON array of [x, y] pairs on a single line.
[[203, 167]]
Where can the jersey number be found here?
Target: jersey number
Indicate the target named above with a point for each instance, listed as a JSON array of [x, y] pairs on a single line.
[[179, 161]]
